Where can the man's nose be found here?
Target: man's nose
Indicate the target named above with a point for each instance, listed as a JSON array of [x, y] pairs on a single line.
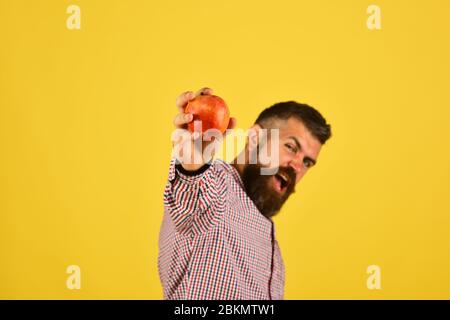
[[297, 164]]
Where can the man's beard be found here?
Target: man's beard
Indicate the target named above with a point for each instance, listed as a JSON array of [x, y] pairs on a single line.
[[261, 190]]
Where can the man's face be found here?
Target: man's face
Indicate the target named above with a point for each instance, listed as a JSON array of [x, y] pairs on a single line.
[[298, 151]]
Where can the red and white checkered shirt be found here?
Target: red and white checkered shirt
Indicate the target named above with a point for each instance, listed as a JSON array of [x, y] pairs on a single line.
[[214, 243]]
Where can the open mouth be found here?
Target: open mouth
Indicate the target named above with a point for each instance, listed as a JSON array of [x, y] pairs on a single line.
[[281, 182]]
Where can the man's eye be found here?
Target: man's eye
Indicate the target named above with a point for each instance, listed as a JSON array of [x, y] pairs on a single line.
[[308, 164], [291, 148]]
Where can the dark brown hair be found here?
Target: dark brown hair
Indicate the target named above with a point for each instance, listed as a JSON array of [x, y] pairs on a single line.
[[306, 114]]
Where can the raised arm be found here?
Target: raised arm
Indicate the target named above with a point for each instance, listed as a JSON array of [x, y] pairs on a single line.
[[195, 192]]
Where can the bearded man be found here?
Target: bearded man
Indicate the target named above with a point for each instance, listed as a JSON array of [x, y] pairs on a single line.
[[217, 238]]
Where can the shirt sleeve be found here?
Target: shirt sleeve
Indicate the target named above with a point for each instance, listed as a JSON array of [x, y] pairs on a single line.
[[195, 201]]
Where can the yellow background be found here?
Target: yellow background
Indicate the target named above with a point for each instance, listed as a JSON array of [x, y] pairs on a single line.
[[85, 128]]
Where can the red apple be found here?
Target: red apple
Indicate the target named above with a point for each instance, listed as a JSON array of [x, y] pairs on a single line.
[[211, 110]]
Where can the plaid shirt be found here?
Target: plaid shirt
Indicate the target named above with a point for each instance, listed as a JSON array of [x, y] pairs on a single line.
[[214, 243]]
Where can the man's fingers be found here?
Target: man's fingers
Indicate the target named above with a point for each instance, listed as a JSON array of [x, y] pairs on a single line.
[[232, 123], [183, 99], [204, 91], [196, 135], [182, 119]]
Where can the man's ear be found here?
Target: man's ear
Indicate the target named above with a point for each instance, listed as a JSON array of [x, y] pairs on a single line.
[[253, 137]]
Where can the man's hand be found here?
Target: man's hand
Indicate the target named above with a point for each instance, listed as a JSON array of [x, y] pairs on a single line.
[[191, 145]]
